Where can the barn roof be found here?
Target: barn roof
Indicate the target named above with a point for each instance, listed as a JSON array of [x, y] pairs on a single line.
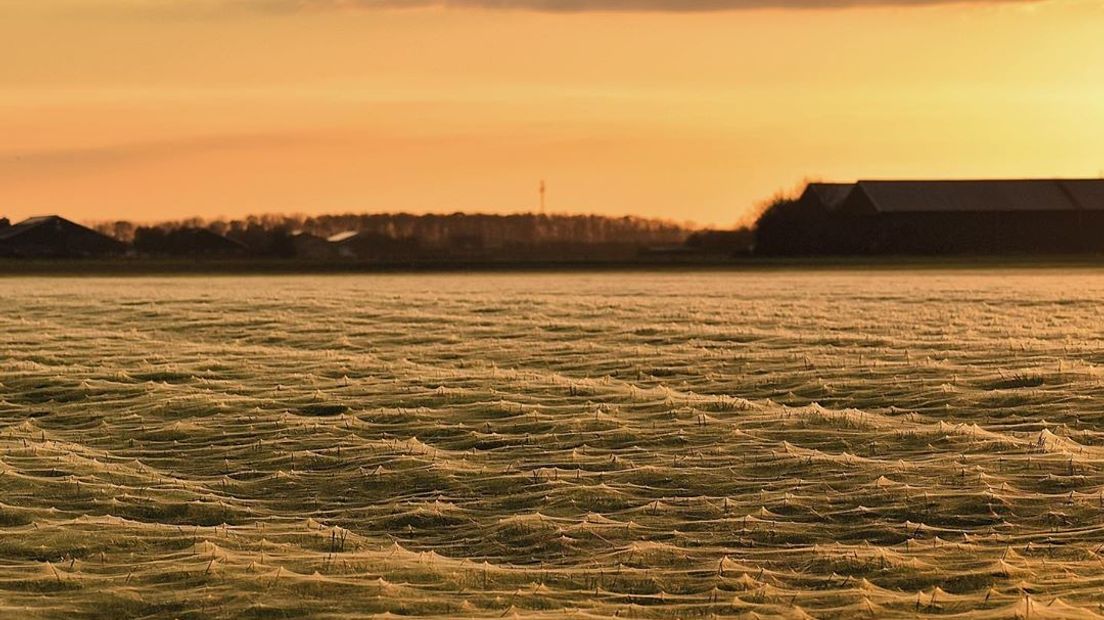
[[343, 236], [1088, 194], [52, 235], [204, 238], [984, 196], [831, 195], [32, 222]]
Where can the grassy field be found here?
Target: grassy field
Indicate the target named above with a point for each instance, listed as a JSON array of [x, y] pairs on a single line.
[[155, 266], [831, 444]]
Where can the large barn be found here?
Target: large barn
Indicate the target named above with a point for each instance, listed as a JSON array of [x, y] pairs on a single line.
[[1022, 216], [52, 236]]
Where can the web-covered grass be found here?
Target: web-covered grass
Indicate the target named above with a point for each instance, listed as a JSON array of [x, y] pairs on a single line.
[[789, 444]]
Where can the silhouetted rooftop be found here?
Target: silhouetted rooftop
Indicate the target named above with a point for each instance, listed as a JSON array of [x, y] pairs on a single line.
[[831, 195], [983, 195], [52, 235], [343, 236], [1087, 193], [29, 223]]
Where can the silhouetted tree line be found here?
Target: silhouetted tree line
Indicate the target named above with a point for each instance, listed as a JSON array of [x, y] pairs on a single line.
[[737, 241], [788, 227], [272, 235]]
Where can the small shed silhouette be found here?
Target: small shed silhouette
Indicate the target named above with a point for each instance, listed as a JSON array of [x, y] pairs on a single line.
[[313, 247], [203, 242], [195, 242], [52, 236], [365, 245]]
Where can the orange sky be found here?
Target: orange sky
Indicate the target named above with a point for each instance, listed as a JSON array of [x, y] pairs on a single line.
[[158, 109]]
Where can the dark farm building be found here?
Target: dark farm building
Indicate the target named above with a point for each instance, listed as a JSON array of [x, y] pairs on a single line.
[[55, 237], [372, 246], [312, 247], [1025, 216], [191, 242]]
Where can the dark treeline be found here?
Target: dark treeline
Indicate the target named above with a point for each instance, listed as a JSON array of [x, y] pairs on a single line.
[[788, 227], [469, 235], [439, 229]]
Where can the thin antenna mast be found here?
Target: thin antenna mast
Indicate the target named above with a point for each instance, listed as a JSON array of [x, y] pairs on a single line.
[[543, 191]]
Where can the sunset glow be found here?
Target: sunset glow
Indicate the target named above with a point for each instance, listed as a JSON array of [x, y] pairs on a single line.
[[157, 110]]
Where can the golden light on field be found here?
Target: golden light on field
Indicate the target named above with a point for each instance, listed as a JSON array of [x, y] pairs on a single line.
[[150, 110]]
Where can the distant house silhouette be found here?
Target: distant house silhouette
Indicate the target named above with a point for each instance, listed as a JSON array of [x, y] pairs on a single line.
[[312, 247], [203, 242], [365, 245], [194, 242], [52, 236], [1018, 216], [338, 243]]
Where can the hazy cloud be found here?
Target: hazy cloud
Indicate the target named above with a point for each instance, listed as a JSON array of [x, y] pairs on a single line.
[[18, 164], [213, 7], [567, 6]]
